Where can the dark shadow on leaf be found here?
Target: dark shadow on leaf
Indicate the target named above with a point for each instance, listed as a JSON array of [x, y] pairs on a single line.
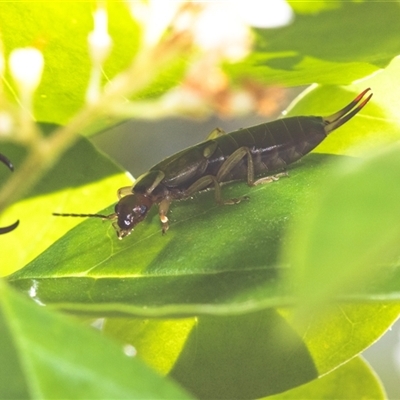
[[243, 357], [282, 63]]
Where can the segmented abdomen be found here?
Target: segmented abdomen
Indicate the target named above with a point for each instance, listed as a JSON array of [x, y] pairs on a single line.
[[273, 145]]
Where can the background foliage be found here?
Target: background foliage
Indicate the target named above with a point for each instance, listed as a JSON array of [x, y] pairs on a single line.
[[207, 314]]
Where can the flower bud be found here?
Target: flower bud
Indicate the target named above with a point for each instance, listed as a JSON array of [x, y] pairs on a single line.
[[26, 67], [99, 40]]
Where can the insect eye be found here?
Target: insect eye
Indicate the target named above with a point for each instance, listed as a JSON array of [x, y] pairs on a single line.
[[140, 210]]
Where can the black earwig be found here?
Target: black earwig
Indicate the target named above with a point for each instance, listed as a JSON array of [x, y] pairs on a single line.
[[246, 154]]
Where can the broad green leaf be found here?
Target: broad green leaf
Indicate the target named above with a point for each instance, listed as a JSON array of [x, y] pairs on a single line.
[[353, 380], [190, 269], [44, 355], [337, 334], [83, 180], [346, 248]]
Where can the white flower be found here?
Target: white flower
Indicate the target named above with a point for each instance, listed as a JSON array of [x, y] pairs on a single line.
[[26, 67], [263, 14], [155, 16], [99, 40], [224, 26]]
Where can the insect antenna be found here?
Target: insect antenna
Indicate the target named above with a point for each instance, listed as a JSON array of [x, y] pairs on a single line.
[[9, 228], [341, 117], [6, 162], [83, 215]]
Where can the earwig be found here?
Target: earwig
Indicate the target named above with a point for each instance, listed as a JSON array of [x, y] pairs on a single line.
[[11, 227], [252, 154]]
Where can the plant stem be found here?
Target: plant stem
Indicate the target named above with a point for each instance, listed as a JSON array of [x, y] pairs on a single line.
[[44, 152]]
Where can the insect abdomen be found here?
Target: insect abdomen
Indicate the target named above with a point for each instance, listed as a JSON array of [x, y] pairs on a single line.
[[273, 145]]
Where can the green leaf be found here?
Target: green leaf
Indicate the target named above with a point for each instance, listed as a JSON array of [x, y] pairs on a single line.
[[83, 180], [335, 255], [328, 46], [44, 355], [338, 333], [308, 7], [353, 380]]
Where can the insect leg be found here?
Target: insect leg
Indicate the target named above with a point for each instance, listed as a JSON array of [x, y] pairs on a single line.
[[271, 178], [217, 132], [233, 160], [163, 208], [202, 184]]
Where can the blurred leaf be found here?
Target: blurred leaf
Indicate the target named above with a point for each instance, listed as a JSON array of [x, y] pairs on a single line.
[[353, 380], [83, 180], [328, 46], [313, 7], [43, 355], [337, 334], [348, 245]]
